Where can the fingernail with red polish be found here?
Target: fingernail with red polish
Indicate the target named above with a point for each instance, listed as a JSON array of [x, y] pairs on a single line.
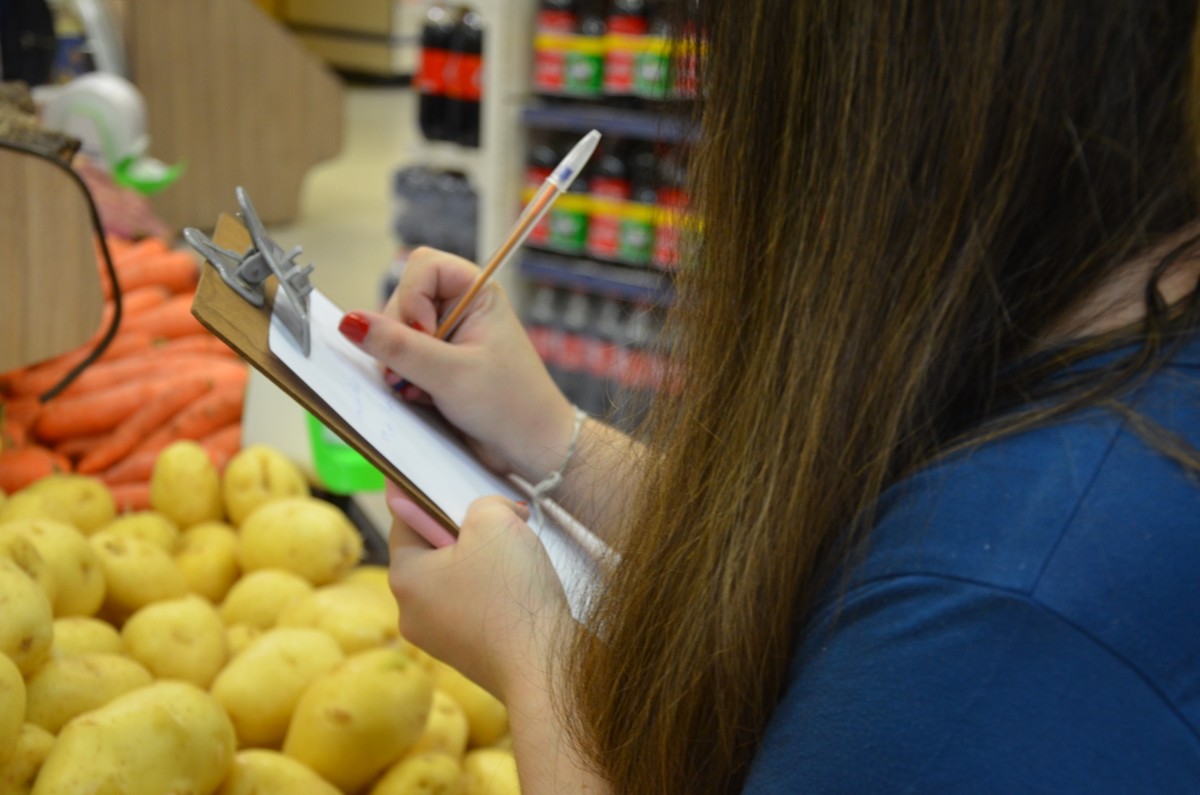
[[354, 327], [391, 377], [410, 393], [416, 326]]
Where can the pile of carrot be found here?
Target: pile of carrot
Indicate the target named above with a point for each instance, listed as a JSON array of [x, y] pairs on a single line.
[[163, 377]]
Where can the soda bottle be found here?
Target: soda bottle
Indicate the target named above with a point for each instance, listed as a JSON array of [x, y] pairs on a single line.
[[635, 236], [543, 157], [569, 217], [672, 205], [544, 330], [556, 19], [635, 367], [585, 57], [610, 190], [602, 354], [430, 82], [652, 66], [572, 359], [464, 85], [628, 25]]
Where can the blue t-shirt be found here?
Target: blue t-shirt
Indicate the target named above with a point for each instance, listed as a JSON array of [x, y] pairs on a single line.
[[1026, 620]]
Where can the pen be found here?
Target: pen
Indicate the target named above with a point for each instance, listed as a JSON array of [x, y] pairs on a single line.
[[556, 184]]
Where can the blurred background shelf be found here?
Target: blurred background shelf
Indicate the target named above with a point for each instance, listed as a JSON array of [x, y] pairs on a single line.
[[645, 125], [598, 278]]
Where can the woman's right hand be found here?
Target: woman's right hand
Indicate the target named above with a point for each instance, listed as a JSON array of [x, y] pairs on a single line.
[[487, 379]]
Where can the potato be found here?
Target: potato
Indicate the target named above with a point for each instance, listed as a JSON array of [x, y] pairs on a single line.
[[18, 549], [239, 636], [486, 716], [371, 576], [303, 535], [28, 626], [28, 505], [86, 500], [170, 737], [261, 686], [75, 635], [207, 556], [185, 486], [19, 772], [150, 526], [69, 686], [357, 618], [79, 584], [421, 774], [445, 730], [258, 598], [355, 722], [137, 573], [258, 771], [490, 771], [178, 639], [256, 475], [13, 699]]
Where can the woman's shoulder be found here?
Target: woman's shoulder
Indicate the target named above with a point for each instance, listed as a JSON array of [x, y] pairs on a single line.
[[1006, 511]]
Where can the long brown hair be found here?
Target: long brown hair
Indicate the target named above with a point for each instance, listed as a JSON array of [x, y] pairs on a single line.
[[897, 200]]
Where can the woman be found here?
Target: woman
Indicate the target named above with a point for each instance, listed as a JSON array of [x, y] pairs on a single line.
[[920, 517]]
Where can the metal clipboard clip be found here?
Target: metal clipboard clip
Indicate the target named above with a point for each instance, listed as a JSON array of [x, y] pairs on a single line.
[[246, 273]]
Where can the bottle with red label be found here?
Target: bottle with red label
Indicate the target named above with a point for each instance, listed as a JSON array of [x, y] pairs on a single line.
[[430, 82], [544, 329], [464, 80], [557, 20], [603, 353], [628, 25], [635, 367], [610, 188], [572, 361], [672, 203], [543, 157]]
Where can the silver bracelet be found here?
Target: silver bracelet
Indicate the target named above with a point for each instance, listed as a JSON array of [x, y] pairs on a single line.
[[555, 479]]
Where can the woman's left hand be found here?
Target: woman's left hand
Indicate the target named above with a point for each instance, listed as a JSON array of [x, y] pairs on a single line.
[[490, 604]]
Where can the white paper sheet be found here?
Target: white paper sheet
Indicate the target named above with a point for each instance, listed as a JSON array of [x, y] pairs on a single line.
[[417, 441]]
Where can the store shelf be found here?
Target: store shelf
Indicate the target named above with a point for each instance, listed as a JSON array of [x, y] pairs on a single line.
[[597, 278], [624, 122]]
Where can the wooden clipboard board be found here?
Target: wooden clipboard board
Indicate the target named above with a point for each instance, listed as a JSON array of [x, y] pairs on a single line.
[[246, 329]]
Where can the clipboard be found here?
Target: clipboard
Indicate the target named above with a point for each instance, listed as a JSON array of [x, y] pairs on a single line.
[[245, 328]]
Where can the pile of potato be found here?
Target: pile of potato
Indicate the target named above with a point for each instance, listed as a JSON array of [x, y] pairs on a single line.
[[227, 641]]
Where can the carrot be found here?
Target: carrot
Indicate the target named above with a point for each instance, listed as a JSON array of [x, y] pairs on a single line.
[[131, 496], [95, 412], [137, 466], [22, 410], [171, 398], [221, 445], [216, 409], [147, 249], [170, 320], [12, 434], [158, 361], [20, 467], [178, 271], [141, 299], [42, 377], [76, 447]]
